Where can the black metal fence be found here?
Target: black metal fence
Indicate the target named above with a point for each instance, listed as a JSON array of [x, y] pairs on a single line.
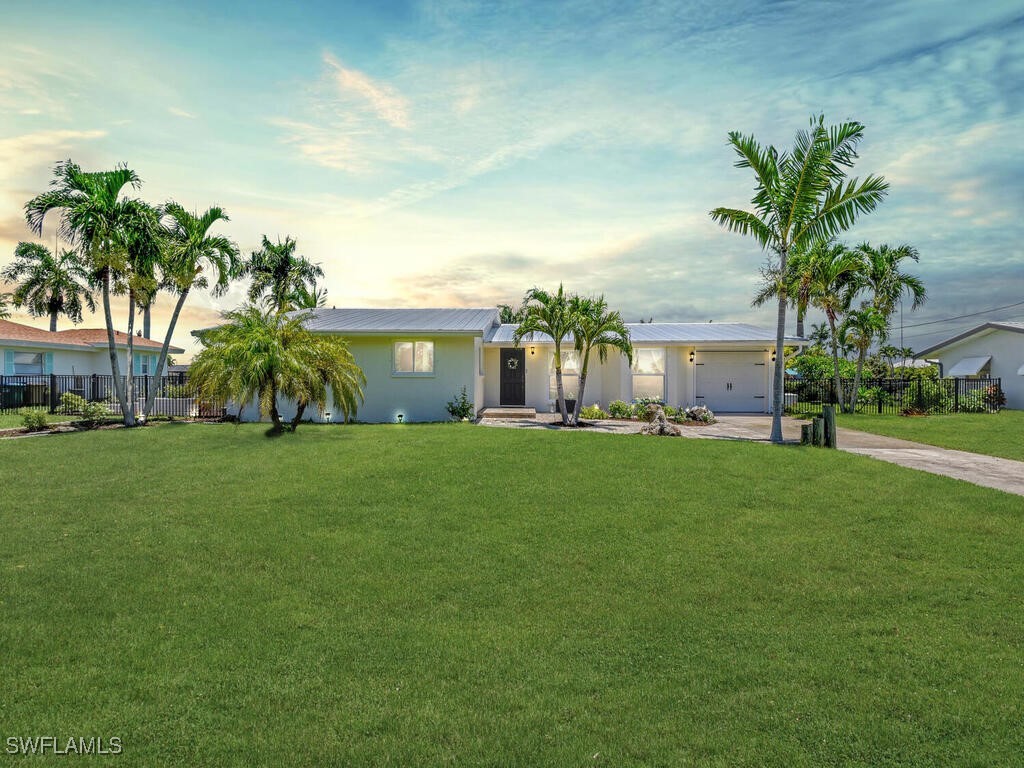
[[898, 395], [173, 395]]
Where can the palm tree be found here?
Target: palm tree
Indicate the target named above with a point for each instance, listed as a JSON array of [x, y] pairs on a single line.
[[819, 335], [801, 195], [796, 283], [509, 315], [278, 274], [262, 354], [192, 256], [861, 328], [96, 221], [4, 311], [885, 279], [309, 297], [596, 328], [833, 284], [49, 285], [551, 314]]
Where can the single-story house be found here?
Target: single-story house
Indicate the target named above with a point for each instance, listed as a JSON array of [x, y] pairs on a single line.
[[993, 350], [74, 355], [416, 360]]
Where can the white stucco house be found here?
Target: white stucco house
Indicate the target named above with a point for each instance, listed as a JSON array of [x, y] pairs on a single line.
[[74, 355], [992, 350], [416, 360]]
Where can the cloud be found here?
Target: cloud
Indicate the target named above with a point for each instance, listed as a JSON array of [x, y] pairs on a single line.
[[388, 105], [178, 112]]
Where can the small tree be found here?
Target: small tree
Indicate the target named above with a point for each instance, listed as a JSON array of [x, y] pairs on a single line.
[[550, 314], [861, 328], [596, 328]]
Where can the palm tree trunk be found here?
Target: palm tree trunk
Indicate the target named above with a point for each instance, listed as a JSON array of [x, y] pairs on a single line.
[[856, 379], [779, 383], [53, 320], [115, 365], [275, 416], [162, 359], [130, 362], [835, 362], [583, 387], [800, 311], [147, 317], [558, 385], [299, 410]]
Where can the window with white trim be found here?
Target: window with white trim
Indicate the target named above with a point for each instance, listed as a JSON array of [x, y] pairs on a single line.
[[570, 375], [414, 358], [649, 372], [26, 363]]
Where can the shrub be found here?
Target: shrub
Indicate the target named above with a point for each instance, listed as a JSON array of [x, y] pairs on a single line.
[[670, 412], [620, 409], [178, 390], [592, 412], [640, 406], [35, 421], [973, 402], [460, 408], [994, 397], [71, 403], [819, 367]]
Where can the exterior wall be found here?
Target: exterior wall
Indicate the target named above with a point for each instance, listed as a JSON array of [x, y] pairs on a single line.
[[613, 380], [82, 362], [416, 397], [1007, 351]]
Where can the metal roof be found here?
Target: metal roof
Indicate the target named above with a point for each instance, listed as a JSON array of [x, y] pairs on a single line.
[[466, 321], [665, 333], [1000, 325]]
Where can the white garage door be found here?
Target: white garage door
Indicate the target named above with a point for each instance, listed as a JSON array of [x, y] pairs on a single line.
[[732, 382]]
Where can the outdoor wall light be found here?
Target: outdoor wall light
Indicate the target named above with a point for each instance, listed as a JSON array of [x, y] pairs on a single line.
[[533, 351], [400, 418], [773, 355], [691, 355]]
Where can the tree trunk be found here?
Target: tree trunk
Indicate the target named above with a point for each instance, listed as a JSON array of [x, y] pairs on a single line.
[[130, 361], [115, 365], [856, 380], [274, 415], [780, 358], [162, 359], [558, 385], [147, 317], [299, 410], [835, 362], [583, 387], [53, 320], [800, 322]]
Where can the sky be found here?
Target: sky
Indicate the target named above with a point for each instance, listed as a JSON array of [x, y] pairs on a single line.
[[458, 153]]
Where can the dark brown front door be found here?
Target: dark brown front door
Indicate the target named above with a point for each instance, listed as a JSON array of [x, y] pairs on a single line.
[[513, 376]]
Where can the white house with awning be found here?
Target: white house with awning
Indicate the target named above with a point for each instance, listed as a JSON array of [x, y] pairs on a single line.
[[992, 350]]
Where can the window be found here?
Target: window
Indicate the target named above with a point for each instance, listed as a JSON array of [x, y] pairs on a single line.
[[414, 357], [649, 373], [570, 375], [28, 362]]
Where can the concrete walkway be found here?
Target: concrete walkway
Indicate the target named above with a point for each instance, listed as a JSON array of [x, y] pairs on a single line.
[[989, 471]]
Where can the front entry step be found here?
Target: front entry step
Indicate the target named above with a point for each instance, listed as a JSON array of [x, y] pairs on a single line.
[[508, 412]]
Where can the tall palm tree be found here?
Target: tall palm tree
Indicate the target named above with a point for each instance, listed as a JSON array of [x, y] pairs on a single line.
[[309, 297], [262, 354], [834, 282], [861, 327], [192, 258], [596, 328], [551, 314], [96, 220], [796, 283], [278, 273], [47, 284], [801, 195]]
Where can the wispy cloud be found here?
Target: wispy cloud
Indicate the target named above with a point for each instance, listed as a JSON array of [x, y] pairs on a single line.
[[387, 103], [178, 112]]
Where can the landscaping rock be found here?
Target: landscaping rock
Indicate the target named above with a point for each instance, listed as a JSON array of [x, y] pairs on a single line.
[[659, 423]]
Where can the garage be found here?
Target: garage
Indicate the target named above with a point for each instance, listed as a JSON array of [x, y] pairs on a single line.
[[732, 381]]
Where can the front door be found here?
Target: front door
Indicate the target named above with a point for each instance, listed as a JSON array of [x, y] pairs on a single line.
[[513, 376]]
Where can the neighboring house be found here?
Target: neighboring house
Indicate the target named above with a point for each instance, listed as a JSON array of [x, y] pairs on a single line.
[[74, 355], [991, 350], [416, 360]]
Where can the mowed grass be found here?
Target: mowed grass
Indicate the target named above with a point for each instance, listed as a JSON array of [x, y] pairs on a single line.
[[16, 420], [431, 595], [995, 434]]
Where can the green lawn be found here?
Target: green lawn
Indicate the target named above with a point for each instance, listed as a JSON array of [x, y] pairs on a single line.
[[12, 420], [425, 595], [997, 434]]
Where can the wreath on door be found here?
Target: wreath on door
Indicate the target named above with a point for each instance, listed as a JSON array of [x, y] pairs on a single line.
[[513, 363]]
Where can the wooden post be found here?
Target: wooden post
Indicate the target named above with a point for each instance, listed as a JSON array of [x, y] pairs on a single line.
[[818, 431], [829, 415], [806, 434]]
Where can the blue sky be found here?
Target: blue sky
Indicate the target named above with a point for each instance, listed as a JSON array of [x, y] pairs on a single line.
[[457, 153]]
